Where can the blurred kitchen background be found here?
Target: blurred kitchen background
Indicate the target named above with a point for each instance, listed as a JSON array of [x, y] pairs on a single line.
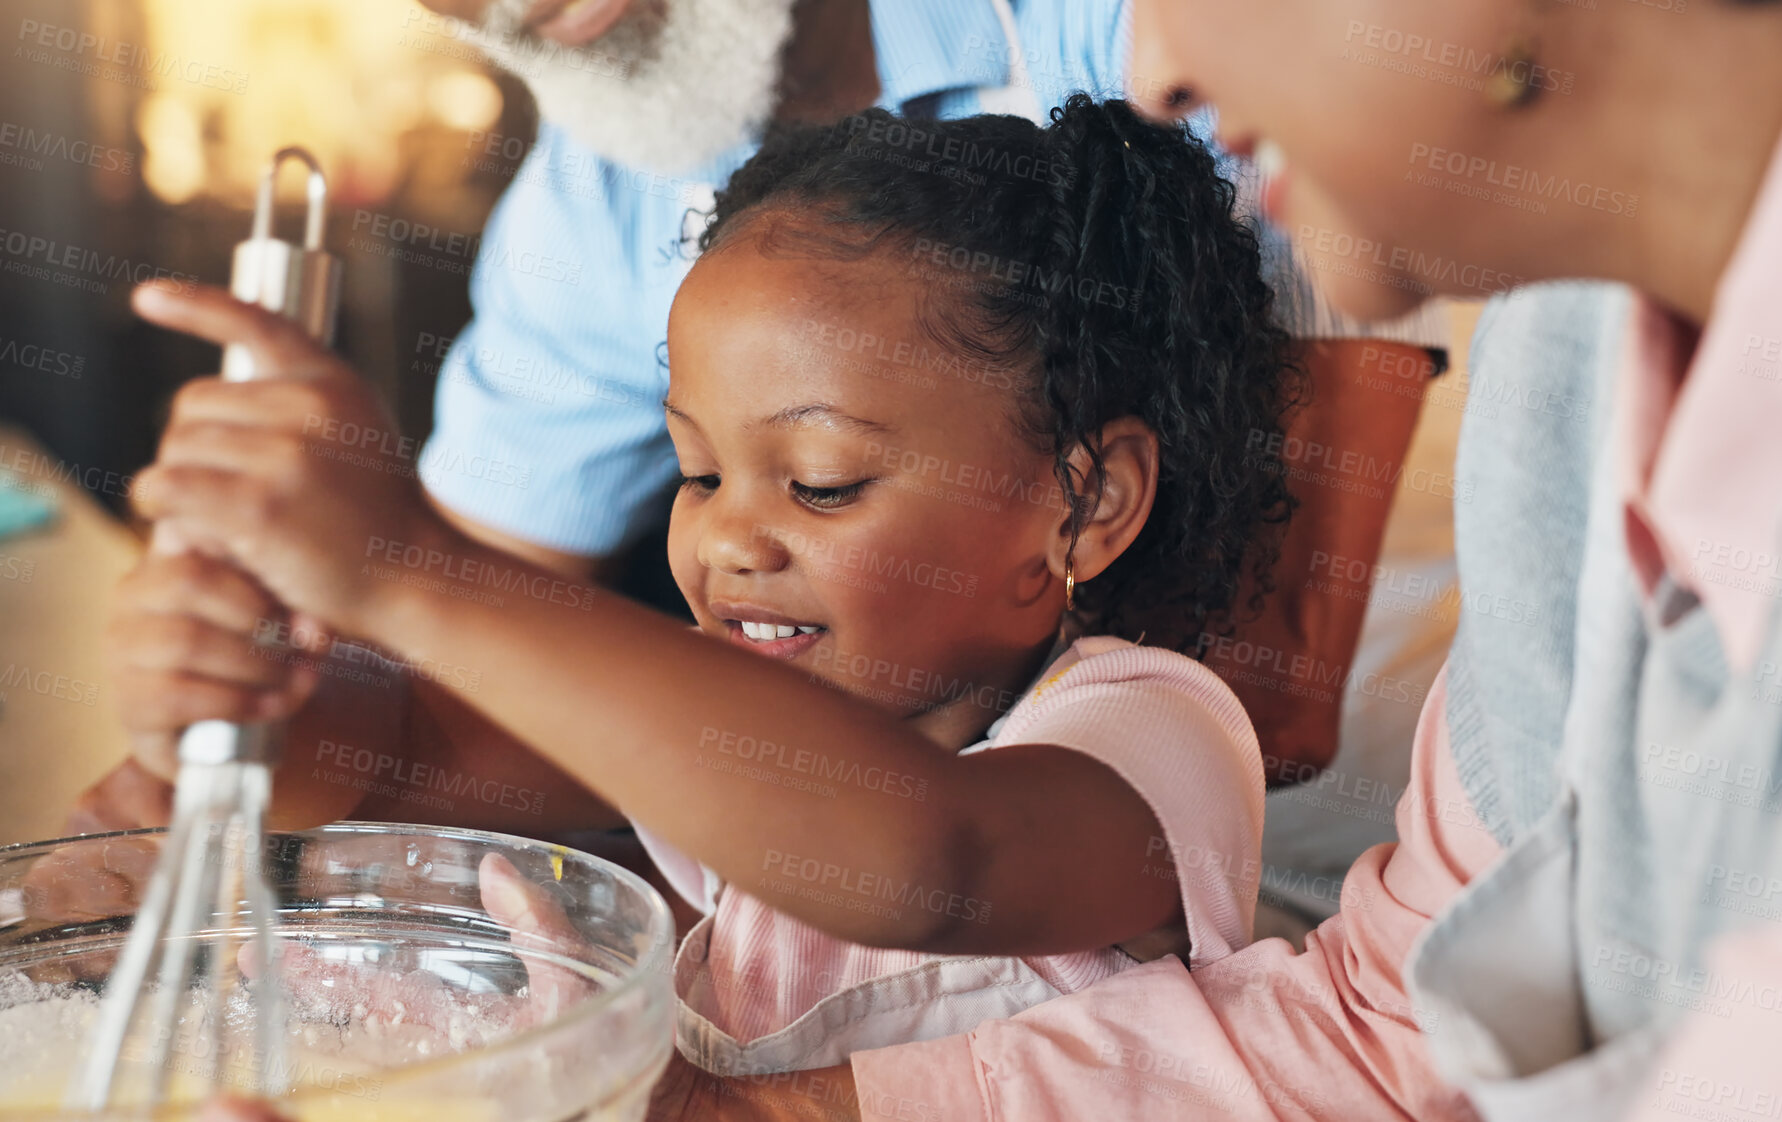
[[132, 137], [138, 134]]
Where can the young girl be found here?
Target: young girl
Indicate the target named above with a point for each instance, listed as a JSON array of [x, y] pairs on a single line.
[[965, 410]]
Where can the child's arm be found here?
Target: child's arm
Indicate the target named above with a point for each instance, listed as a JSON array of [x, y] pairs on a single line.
[[1022, 850]]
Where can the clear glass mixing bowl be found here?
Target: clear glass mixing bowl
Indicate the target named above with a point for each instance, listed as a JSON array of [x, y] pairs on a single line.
[[405, 998]]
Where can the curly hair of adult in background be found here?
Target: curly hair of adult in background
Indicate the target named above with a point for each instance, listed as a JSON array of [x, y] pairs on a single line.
[[1099, 262]]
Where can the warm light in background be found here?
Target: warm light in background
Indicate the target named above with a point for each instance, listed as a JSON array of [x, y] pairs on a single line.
[[173, 147], [346, 79], [464, 100]]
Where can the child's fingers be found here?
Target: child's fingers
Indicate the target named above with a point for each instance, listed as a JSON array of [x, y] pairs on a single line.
[[234, 447], [203, 499], [187, 644], [310, 634], [155, 643], [203, 587], [291, 405], [168, 702], [278, 345]]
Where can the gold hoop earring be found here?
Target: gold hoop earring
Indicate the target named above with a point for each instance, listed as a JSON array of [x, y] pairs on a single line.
[[1515, 86], [1070, 586]]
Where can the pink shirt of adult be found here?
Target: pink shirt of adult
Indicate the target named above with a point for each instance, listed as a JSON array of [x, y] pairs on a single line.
[[1268, 1034]]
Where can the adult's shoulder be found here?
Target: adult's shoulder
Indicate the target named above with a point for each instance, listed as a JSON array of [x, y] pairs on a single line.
[[1104, 30], [578, 266], [567, 194]]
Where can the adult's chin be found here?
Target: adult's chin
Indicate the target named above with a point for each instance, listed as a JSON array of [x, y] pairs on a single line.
[[639, 129], [668, 89], [1361, 274], [1377, 300]]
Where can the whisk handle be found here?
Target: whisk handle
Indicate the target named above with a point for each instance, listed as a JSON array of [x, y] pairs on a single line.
[[301, 283]]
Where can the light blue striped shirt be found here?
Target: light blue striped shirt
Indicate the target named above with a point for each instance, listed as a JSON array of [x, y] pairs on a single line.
[[547, 419]]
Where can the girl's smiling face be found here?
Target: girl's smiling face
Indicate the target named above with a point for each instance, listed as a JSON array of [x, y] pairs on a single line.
[[859, 500]]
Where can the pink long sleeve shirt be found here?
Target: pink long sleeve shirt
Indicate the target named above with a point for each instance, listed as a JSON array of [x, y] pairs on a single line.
[[1240, 1038]]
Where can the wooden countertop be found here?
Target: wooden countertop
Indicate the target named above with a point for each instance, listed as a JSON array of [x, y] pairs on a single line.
[[58, 727]]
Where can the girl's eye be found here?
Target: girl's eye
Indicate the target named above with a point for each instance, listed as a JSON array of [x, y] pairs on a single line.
[[704, 484], [827, 498]]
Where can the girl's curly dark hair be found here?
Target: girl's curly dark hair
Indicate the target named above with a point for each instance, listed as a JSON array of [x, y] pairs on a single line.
[[1099, 257]]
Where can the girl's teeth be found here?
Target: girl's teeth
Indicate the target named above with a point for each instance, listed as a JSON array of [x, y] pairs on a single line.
[[763, 632]]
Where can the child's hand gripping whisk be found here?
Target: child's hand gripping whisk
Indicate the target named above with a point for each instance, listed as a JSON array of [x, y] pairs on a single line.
[[209, 888]]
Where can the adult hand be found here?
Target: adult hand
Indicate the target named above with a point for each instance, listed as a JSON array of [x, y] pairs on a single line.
[[97, 880], [419, 999], [129, 797]]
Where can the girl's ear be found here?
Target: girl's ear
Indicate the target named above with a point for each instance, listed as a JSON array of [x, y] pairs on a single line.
[[1129, 458]]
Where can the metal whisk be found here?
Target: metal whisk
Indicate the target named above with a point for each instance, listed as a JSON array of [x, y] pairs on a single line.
[[209, 885]]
